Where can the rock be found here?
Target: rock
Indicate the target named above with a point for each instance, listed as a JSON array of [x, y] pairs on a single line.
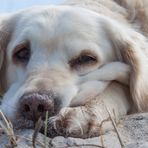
[[24, 139], [133, 130]]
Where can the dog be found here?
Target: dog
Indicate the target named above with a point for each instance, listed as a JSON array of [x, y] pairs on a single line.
[[81, 61]]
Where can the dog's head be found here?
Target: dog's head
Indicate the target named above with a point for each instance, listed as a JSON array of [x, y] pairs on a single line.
[[46, 50]]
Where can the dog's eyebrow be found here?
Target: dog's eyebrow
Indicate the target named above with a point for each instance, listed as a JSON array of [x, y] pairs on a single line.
[[88, 52], [21, 45]]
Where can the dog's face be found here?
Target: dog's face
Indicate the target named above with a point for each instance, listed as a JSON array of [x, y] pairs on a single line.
[[47, 52]]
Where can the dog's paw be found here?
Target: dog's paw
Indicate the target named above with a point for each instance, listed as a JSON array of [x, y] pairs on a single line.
[[74, 122]]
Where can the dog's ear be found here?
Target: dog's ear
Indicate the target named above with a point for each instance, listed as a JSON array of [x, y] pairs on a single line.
[[132, 48], [4, 39]]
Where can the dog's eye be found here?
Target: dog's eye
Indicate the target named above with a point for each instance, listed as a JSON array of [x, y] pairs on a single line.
[[22, 54], [83, 60]]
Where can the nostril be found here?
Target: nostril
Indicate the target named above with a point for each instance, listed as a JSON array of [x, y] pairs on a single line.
[[41, 108], [26, 108], [34, 105]]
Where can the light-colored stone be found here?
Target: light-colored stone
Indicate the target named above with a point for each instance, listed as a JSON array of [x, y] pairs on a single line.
[[24, 139], [133, 131]]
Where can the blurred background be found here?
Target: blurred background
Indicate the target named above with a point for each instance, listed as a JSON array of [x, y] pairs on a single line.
[[13, 5]]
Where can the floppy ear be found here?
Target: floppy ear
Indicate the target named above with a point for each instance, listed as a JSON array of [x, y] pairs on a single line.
[[4, 38], [132, 48]]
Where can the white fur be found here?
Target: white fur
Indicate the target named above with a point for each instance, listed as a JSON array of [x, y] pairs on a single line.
[[58, 34]]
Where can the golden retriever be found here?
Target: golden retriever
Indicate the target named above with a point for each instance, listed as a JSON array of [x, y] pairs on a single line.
[[78, 61]]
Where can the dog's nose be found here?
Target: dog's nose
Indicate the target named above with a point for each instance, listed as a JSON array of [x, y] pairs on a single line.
[[35, 105]]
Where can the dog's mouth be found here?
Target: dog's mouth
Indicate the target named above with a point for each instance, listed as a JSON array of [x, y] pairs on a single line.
[[22, 122], [37, 110]]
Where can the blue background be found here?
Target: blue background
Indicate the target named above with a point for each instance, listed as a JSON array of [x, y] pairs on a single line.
[[13, 5]]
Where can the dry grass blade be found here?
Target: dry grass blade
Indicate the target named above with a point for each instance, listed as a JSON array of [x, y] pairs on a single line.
[[86, 145], [115, 127], [8, 129], [101, 132], [45, 130], [38, 126]]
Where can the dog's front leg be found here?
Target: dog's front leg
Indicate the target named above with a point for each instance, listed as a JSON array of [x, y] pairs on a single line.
[[112, 71], [93, 118], [88, 91], [97, 81]]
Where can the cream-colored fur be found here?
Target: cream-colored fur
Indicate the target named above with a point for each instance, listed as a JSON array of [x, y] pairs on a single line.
[[117, 80]]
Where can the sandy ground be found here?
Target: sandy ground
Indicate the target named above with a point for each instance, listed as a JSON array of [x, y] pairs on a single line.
[[133, 131]]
